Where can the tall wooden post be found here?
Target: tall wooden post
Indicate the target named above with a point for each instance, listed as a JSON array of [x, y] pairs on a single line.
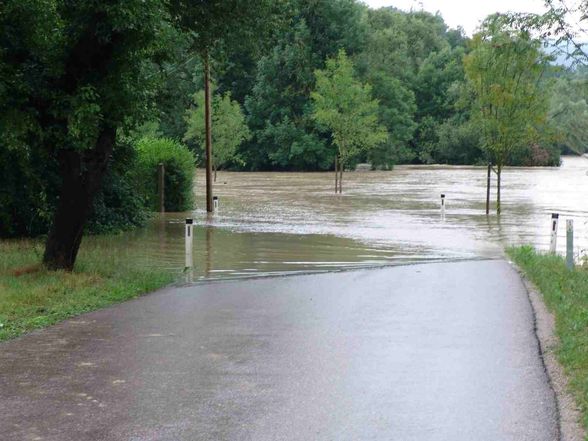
[[208, 127], [488, 182], [161, 186]]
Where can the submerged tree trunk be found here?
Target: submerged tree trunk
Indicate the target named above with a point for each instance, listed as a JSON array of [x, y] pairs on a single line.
[[81, 173], [340, 177], [488, 182], [336, 174], [498, 182], [208, 128], [215, 168]]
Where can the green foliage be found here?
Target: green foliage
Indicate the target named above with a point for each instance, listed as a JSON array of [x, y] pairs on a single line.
[[459, 143], [568, 113], [73, 71], [426, 139], [221, 23], [119, 205], [504, 71], [436, 81], [279, 111], [385, 64], [180, 78], [61, 94], [279, 100], [396, 111], [29, 183], [229, 129], [415, 66], [565, 293], [179, 165], [304, 148], [345, 106]]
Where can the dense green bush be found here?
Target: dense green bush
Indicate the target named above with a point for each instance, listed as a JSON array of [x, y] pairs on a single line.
[[119, 205], [28, 189], [179, 164], [27, 201], [128, 193], [459, 143]]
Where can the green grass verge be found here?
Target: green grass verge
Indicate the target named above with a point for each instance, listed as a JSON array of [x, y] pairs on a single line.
[[32, 297], [566, 295]]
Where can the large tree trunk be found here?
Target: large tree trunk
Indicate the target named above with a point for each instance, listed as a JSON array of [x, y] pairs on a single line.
[[208, 128], [81, 173]]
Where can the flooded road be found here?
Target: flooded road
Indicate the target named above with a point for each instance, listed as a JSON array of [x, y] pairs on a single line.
[[271, 223]]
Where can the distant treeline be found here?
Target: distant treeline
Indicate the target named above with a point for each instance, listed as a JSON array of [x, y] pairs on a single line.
[[414, 64], [89, 128]]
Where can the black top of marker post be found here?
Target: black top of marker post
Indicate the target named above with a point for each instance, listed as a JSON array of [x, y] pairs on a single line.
[[189, 221], [554, 215]]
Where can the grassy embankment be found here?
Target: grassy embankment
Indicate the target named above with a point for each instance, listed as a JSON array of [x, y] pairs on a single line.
[[566, 295], [32, 297]]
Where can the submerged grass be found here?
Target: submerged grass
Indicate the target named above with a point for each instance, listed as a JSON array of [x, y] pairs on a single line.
[[566, 295], [32, 297]]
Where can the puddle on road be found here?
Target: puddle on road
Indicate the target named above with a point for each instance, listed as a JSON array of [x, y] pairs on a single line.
[[271, 223]]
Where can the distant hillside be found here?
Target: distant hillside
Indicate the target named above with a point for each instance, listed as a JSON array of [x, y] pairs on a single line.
[[561, 52]]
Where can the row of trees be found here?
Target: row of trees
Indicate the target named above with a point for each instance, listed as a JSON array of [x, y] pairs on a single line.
[[76, 75], [431, 95], [412, 61], [298, 83]]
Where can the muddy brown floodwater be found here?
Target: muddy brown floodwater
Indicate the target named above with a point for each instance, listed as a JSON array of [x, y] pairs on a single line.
[[272, 223]]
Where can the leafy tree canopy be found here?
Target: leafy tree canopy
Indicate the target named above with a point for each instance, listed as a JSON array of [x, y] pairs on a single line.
[[230, 129], [346, 107]]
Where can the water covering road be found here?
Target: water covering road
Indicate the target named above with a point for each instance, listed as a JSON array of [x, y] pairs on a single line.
[[271, 223]]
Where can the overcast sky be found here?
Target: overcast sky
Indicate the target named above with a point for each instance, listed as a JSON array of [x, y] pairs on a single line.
[[464, 13]]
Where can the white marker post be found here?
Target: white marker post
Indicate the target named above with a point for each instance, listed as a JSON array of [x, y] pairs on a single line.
[[570, 244], [554, 225], [189, 242], [215, 203], [443, 203]]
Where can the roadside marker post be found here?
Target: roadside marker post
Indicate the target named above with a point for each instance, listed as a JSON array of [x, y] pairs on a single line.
[[554, 225], [443, 203], [570, 244], [215, 203], [189, 242]]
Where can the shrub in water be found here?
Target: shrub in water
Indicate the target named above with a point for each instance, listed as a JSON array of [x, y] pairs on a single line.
[[179, 165]]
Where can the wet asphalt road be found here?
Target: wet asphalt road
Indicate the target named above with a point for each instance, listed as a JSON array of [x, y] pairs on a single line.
[[428, 352]]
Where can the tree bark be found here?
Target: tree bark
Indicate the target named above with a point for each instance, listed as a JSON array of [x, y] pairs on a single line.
[[81, 173], [340, 177], [215, 169], [208, 128]]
